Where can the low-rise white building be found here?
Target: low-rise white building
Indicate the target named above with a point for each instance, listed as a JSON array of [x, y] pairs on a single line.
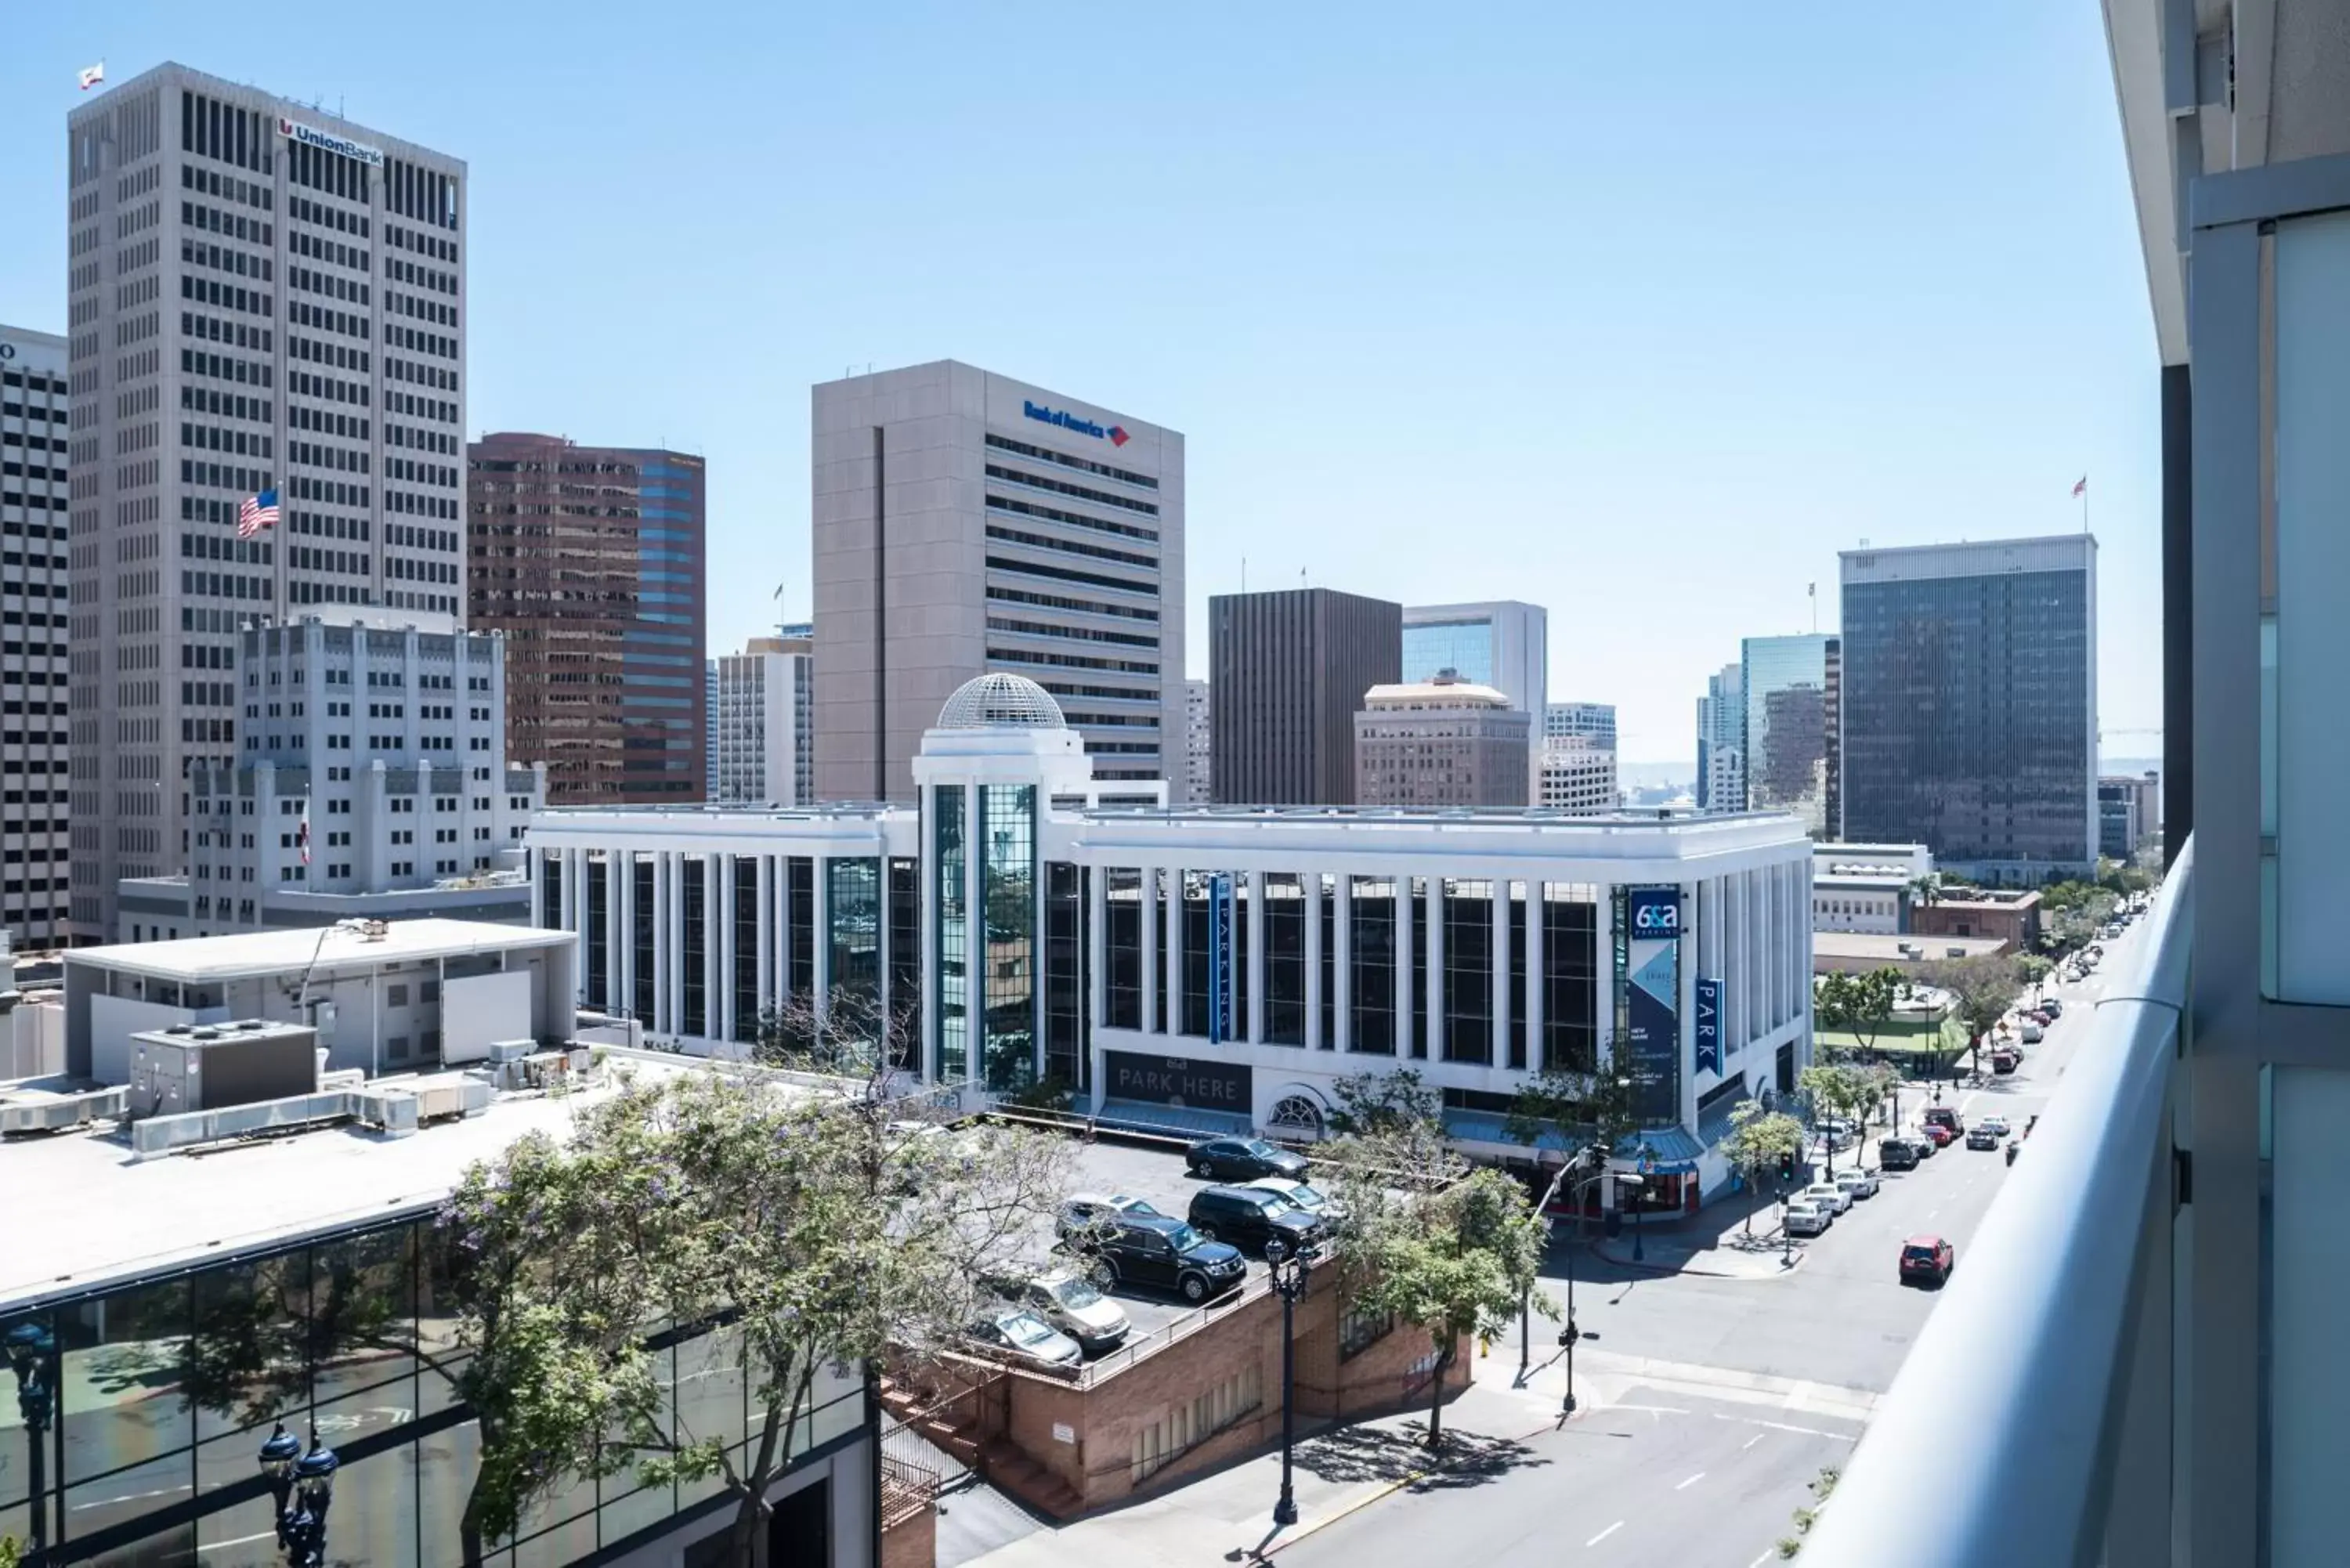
[[371, 782], [1867, 888], [1208, 969]]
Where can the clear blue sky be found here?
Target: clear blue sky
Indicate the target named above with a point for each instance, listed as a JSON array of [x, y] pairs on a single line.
[[1637, 312]]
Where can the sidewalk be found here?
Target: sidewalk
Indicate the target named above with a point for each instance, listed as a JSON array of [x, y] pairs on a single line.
[[1713, 1241], [1227, 1515]]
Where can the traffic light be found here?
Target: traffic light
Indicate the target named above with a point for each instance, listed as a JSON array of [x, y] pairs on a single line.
[[1787, 1165]]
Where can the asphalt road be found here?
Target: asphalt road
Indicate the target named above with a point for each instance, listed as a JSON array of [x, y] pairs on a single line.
[[1672, 1471]]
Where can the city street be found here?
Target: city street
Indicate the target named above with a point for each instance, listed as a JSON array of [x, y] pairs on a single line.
[[1709, 1404]]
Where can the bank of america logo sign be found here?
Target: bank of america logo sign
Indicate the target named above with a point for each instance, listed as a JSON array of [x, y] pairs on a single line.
[[1118, 436]]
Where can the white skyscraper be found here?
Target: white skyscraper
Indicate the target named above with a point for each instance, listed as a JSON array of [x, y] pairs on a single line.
[[263, 298], [760, 752], [1720, 741], [35, 416]]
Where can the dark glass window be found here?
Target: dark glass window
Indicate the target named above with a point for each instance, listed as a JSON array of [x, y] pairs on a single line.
[[799, 908], [1419, 957], [1007, 871], [1468, 972], [644, 868], [951, 1065], [1194, 908], [1326, 900], [550, 891], [599, 877], [1371, 966], [1570, 916], [1122, 899], [1518, 1021], [906, 951], [855, 913], [1064, 973], [1285, 960], [745, 978], [697, 945]]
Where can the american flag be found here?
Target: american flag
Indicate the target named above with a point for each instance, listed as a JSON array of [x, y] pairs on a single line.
[[256, 512], [2082, 487]]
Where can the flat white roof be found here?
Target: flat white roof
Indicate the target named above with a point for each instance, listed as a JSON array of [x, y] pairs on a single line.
[[123, 1220], [274, 952]]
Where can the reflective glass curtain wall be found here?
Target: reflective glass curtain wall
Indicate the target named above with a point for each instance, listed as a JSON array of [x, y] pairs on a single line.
[[854, 906], [1787, 729], [948, 1060], [1122, 906], [1007, 870], [1066, 977], [1370, 959]]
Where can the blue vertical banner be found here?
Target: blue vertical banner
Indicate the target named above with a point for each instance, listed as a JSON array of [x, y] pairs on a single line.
[[1219, 959], [1706, 1033], [1652, 951]]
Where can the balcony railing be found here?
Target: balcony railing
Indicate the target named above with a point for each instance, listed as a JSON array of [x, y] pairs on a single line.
[[2032, 1424]]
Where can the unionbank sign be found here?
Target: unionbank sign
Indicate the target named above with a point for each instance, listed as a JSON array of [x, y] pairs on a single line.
[[311, 136], [1649, 957], [1113, 434]]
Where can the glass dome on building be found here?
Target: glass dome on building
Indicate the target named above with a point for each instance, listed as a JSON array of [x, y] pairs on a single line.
[[1001, 701]]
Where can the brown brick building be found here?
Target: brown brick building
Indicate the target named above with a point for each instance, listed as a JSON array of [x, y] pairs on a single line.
[[592, 562], [2011, 918]]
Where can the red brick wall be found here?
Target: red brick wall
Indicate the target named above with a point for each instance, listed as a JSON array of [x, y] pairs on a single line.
[[912, 1542]]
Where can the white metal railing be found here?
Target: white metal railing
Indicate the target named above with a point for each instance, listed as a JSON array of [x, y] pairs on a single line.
[[2031, 1424]]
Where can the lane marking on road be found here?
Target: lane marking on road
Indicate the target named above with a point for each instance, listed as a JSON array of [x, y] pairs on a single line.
[[1652, 1409], [1782, 1427], [1931, 1212], [1750, 1442], [1605, 1534], [1690, 1482], [1766, 1557]]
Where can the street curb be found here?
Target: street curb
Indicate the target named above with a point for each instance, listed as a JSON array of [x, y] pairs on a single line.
[[1665, 1269], [1305, 1531]]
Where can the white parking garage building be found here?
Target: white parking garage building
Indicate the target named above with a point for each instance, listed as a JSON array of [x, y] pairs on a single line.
[[1211, 969]]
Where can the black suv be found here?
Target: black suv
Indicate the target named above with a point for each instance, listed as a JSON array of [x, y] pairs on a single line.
[[1242, 1159], [1154, 1250], [1249, 1216]]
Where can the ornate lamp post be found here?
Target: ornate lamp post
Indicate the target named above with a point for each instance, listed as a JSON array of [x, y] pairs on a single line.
[[304, 1486], [30, 1348], [1289, 1277]]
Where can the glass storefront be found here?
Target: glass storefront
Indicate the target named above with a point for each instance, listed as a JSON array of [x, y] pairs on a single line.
[[166, 1389]]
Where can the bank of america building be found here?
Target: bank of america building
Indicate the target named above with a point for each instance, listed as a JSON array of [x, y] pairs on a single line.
[[1212, 969]]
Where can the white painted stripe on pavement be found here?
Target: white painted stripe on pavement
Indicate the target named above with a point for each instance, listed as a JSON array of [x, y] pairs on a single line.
[[1750, 1442], [1605, 1534], [1690, 1482], [1782, 1427], [1653, 1410], [1764, 1558]]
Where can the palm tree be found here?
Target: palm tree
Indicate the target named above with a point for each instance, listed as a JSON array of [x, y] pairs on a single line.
[[1927, 890]]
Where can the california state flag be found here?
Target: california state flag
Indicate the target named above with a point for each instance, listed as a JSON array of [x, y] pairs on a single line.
[[92, 75]]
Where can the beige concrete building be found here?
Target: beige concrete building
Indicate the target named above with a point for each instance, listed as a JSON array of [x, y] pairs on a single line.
[[1577, 774], [1444, 742], [966, 523]]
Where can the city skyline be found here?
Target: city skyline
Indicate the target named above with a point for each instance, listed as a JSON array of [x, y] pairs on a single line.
[[1742, 411]]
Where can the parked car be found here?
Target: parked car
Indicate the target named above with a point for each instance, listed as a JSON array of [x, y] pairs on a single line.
[[1896, 1154], [2033, 1034], [1083, 1211], [2005, 1061], [2041, 1016], [1943, 1116], [2054, 1007], [1938, 1137], [1927, 1145], [1995, 1126], [1242, 1159], [1249, 1216], [1857, 1183], [1027, 1337], [1166, 1254], [1977, 1137], [1827, 1193], [1808, 1219], [1075, 1305], [1301, 1195], [1926, 1258]]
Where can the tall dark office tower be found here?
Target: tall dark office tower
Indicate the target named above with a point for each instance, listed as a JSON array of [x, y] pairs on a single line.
[[35, 414], [262, 297], [590, 560], [1971, 704], [1287, 672]]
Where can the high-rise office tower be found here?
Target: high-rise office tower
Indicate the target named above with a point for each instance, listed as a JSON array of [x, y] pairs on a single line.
[[1578, 776], [1970, 712], [710, 727], [1197, 746], [35, 413], [1503, 644], [590, 559], [263, 297], [1287, 673], [964, 522], [1720, 741], [1789, 686], [1592, 722], [1444, 741], [759, 745]]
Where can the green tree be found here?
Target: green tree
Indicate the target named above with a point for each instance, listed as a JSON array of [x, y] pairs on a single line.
[[1840, 1090], [1982, 989], [1758, 1140], [1927, 892], [1858, 1004], [1372, 1104], [1452, 1251]]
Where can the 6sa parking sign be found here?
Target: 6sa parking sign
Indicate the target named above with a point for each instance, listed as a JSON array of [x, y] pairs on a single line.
[[1653, 913]]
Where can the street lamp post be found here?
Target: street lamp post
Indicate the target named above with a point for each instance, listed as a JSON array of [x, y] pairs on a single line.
[[30, 1347], [303, 1487], [1288, 1276]]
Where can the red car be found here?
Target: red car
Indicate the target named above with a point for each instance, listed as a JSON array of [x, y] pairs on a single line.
[[1927, 1260], [1942, 1137]]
